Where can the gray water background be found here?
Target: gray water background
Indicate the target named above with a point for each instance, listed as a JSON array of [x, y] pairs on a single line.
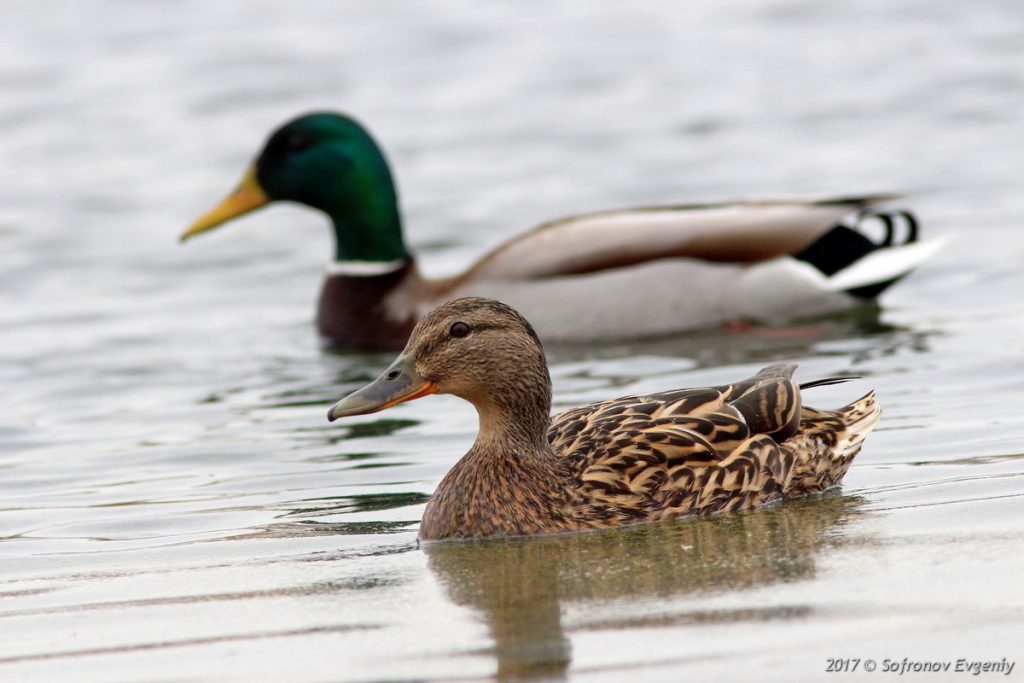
[[173, 504]]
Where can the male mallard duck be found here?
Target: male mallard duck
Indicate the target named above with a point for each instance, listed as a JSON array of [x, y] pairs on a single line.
[[628, 273], [628, 460], [580, 278]]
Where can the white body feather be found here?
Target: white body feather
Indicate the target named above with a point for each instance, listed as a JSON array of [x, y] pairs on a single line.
[[660, 297]]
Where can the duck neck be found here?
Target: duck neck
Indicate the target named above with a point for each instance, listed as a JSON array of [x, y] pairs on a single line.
[[368, 224], [516, 417], [511, 482]]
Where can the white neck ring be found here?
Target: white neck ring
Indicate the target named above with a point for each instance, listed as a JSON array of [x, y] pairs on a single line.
[[365, 268]]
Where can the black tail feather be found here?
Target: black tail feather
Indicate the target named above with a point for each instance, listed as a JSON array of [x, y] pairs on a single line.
[[912, 226], [836, 249], [828, 381]]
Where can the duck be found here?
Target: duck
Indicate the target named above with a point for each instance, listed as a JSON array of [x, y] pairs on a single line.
[[610, 275], [638, 459]]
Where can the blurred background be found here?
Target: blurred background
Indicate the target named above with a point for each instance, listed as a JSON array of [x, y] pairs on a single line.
[[170, 485]]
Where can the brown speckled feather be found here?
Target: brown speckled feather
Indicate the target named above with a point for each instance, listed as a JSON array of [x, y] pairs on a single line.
[[701, 451]]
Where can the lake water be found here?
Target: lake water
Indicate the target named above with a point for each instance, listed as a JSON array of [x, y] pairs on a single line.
[[174, 505]]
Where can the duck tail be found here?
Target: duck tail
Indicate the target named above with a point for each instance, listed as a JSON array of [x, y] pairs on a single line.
[[827, 443], [858, 419], [862, 267]]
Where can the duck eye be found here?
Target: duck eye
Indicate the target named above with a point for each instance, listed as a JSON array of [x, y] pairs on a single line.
[[459, 330], [297, 143]]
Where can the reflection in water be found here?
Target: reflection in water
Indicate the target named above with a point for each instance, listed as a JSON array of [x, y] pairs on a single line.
[[366, 502], [309, 528], [378, 427], [331, 436], [521, 585], [913, 341], [742, 343]]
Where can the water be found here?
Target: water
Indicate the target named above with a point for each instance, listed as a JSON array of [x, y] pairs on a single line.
[[173, 504]]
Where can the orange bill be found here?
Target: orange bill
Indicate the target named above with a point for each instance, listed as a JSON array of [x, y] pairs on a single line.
[[398, 384]]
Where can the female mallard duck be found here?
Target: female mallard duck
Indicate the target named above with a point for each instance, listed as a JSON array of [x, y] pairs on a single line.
[[578, 278], [624, 461]]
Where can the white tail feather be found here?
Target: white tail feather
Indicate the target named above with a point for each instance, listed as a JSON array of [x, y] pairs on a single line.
[[884, 265]]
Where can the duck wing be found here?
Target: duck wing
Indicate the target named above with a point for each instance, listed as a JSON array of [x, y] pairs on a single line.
[[740, 232], [700, 451]]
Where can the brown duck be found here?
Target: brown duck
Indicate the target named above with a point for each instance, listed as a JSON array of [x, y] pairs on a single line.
[[629, 460]]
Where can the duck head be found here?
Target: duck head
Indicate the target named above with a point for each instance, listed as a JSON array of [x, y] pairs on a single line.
[[328, 162], [478, 349]]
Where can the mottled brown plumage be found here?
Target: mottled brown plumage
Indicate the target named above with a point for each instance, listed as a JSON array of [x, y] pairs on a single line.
[[644, 458]]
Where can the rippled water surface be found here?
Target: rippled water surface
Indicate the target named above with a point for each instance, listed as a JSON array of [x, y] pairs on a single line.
[[173, 504]]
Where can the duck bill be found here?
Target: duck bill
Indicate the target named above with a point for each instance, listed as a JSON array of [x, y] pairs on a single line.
[[398, 384], [248, 196]]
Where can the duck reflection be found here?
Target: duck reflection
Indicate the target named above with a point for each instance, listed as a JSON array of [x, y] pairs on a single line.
[[742, 342], [520, 586]]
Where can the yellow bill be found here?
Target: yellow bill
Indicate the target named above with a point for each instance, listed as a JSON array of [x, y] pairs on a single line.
[[248, 196]]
